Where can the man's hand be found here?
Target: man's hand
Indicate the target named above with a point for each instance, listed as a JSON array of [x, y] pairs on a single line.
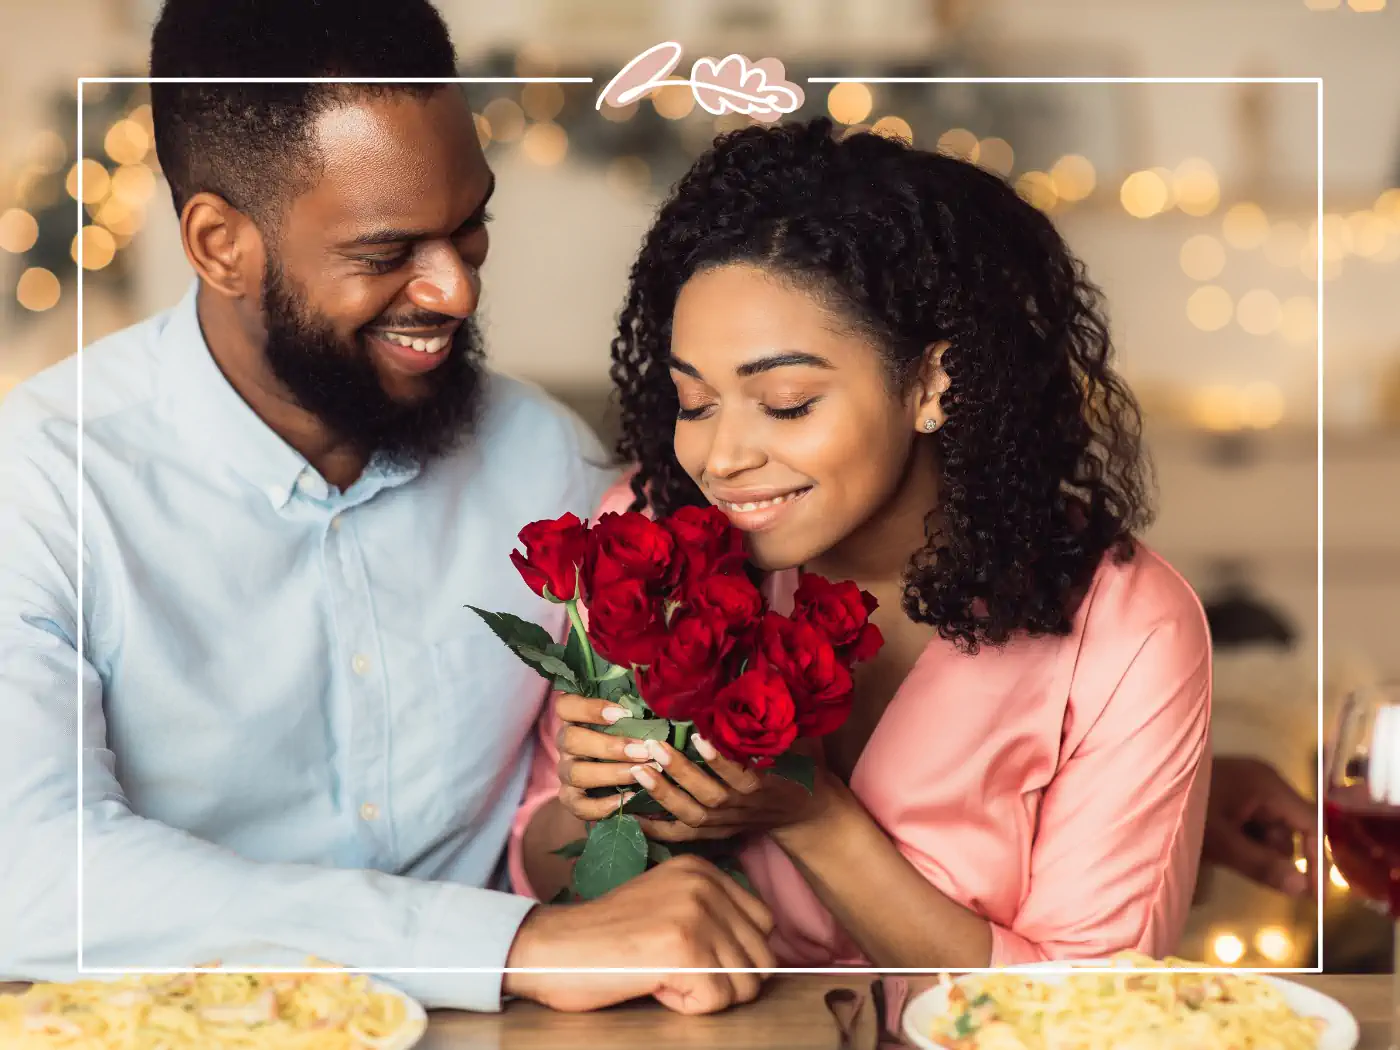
[[684, 913], [1252, 818]]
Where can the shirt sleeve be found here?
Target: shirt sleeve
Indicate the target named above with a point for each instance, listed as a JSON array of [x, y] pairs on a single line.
[[1118, 842], [154, 895]]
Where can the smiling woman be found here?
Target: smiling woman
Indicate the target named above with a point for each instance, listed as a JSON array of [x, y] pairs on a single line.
[[886, 367]]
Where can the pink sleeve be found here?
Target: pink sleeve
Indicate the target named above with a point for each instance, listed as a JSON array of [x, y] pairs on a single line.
[[1118, 840], [543, 784]]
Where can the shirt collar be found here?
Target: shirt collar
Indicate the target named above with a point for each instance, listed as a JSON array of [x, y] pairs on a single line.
[[211, 415]]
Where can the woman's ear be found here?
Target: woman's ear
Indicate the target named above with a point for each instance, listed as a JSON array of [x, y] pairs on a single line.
[[931, 384]]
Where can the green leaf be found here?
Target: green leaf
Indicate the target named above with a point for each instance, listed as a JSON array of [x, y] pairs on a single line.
[[616, 852], [682, 735], [619, 686], [577, 660], [514, 631], [633, 703], [571, 849], [658, 852], [640, 728], [801, 769], [550, 666], [642, 803]]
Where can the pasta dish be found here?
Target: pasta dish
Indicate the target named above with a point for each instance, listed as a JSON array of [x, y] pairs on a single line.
[[210, 1011], [1119, 1009]]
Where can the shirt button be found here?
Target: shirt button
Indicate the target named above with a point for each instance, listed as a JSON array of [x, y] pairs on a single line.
[[277, 495], [335, 523], [360, 664], [369, 811]]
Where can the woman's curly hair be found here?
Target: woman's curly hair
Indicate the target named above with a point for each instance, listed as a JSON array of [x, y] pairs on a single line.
[[1041, 466]]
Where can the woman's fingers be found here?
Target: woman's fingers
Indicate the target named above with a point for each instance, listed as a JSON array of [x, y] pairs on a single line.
[[741, 778], [582, 742], [703, 788], [585, 808], [583, 773], [675, 831], [676, 801], [587, 711]]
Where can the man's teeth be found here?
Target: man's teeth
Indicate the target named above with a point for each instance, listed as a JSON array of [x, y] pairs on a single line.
[[763, 504], [423, 346]]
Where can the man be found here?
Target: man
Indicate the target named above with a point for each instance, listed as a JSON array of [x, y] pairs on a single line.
[[296, 740], [1252, 821]]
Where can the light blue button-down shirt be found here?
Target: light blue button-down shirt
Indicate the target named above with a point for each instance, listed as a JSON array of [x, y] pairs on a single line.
[[297, 741]]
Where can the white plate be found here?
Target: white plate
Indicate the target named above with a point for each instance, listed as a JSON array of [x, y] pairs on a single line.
[[1340, 1032], [415, 1024]]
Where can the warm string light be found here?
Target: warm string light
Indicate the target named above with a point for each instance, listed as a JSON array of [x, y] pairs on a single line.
[[849, 103], [1227, 948]]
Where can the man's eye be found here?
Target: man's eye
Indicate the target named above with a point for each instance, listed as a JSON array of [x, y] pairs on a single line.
[[383, 263]]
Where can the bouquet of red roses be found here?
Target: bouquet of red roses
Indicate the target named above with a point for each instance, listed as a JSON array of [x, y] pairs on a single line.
[[680, 636]]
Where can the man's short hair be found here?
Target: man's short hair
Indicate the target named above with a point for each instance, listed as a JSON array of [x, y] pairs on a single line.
[[251, 143]]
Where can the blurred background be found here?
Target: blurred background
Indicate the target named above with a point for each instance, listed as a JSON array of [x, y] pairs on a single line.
[[1193, 206]]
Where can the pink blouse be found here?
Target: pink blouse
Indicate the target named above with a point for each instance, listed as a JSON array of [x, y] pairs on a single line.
[[1055, 786]]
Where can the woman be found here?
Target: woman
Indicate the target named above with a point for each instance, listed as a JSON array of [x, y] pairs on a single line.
[[886, 367]]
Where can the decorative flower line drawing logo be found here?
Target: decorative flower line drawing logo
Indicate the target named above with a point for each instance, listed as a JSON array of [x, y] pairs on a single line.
[[730, 85]]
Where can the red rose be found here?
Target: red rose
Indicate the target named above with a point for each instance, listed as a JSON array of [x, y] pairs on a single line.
[[733, 600], [707, 542], [752, 719], [820, 684], [629, 547], [841, 611], [626, 623], [688, 670], [553, 552]]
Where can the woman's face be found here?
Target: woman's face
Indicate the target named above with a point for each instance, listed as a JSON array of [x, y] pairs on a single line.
[[787, 420]]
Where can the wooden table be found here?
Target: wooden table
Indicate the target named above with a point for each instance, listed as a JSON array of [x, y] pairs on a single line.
[[789, 1016]]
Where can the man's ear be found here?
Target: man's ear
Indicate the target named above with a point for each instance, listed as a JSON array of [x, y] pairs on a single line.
[[932, 383], [223, 245]]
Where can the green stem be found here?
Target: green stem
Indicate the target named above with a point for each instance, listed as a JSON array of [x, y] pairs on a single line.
[[576, 619]]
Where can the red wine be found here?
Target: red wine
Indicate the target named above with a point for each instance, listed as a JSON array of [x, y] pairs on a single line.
[[1365, 842]]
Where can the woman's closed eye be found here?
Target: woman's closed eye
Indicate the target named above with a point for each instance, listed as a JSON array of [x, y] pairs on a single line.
[[795, 411]]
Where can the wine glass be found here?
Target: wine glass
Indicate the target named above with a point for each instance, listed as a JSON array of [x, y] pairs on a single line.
[[1362, 807]]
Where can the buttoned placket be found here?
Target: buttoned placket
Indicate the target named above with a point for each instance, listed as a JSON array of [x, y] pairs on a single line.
[[363, 679]]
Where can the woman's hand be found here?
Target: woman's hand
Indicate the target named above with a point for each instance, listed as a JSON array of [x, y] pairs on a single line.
[[727, 800]]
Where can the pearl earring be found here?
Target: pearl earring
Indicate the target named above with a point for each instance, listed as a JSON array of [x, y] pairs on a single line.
[[930, 425]]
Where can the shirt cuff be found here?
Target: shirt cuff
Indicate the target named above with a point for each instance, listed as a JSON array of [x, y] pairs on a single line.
[[466, 927]]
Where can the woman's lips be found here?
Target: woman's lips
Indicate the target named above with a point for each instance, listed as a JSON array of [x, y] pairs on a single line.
[[755, 515]]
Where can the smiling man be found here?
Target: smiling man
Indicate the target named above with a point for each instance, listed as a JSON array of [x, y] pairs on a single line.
[[296, 739]]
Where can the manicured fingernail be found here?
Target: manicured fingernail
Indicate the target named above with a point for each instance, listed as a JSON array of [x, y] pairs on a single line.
[[644, 776], [637, 751], [706, 749], [614, 714], [627, 796], [658, 752]]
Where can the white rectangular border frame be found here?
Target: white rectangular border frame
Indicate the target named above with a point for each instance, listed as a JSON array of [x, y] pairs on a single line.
[[1317, 82]]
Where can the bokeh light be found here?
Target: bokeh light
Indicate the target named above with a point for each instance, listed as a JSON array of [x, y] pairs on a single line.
[[99, 247], [38, 289], [996, 155], [673, 103], [1195, 187], [1274, 944], [133, 184], [959, 142], [1228, 948], [1210, 308], [1144, 194], [1074, 177], [506, 118], [18, 231], [895, 128], [1245, 226], [545, 144], [127, 142], [96, 181], [1038, 190], [849, 103], [542, 102], [1202, 257]]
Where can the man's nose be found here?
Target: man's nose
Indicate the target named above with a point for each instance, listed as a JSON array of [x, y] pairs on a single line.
[[445, 283]]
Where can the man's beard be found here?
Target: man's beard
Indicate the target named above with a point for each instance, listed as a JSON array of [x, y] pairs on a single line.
[[337, 382]]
